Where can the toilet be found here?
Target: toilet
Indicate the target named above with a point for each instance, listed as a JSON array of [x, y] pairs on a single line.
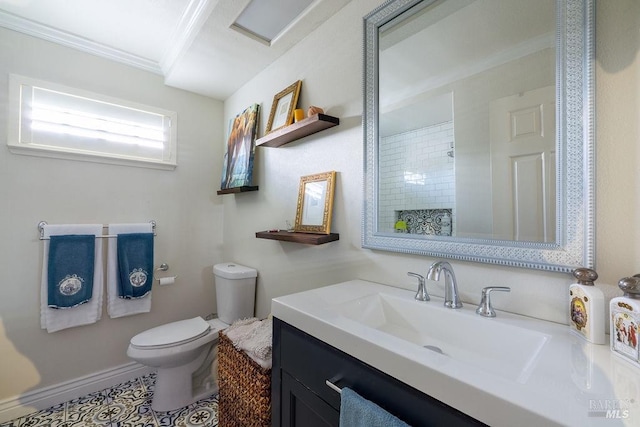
[[185, 352]]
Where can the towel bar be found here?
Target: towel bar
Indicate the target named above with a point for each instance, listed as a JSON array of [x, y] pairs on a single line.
[[332, 386], [41, 225]]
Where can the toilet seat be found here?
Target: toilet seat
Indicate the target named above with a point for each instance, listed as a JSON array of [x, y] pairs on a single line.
[[171, 334]]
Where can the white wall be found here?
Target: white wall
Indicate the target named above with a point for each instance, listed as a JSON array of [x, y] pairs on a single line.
[[32, 189], [329, 62], [190, 215]]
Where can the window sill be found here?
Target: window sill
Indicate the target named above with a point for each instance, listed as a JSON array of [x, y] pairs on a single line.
[[39, 151]]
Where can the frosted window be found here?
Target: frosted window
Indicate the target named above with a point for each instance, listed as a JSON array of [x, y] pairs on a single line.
[[54, 121]]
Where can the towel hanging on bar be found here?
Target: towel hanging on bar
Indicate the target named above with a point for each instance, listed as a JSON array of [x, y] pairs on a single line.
[[53, 319], [71, 266], [116, 306], [135, 264]]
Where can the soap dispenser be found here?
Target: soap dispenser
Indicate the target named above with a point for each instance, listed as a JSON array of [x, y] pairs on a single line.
[[587, 306], [625, 315]]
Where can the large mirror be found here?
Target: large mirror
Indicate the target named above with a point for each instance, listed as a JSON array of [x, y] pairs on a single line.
[[478, 128]]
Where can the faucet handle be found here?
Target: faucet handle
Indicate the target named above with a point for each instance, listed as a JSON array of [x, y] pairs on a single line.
[[484, 308], [422, 294]]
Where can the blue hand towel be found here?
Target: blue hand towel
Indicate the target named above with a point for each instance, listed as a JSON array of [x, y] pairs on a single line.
[[70, 271], [135, 264], [356, 411]]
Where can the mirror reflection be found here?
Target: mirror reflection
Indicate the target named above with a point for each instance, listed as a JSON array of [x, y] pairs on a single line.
[[467, 120], [478, 129]]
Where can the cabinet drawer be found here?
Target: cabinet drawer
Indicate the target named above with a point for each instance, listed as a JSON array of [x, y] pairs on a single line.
[[312, 362]]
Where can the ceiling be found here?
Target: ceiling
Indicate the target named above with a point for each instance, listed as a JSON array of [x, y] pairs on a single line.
[[191, 43]]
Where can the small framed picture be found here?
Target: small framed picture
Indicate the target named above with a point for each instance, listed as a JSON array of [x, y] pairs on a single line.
[[315, 203], [282, 108]]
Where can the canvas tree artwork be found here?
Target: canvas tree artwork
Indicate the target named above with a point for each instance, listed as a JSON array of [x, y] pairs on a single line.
[[238, 158]]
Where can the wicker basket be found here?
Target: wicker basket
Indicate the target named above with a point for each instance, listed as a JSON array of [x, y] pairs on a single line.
[[245, 388]]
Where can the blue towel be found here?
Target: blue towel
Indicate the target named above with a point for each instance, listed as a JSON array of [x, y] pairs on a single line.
[[70, 270], [356, 411], [135, 264]]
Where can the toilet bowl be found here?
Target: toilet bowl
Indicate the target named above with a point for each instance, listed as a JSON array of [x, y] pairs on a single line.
[[177, 350], [185, 352]]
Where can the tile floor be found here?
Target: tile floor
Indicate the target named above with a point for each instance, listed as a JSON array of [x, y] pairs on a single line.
[[124, 405]]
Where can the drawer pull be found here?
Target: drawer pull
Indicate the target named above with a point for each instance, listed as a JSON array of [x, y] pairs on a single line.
[[332, 386]]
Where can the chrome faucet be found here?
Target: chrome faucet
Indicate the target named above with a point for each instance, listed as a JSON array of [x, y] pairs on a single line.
[[485, 309], [451, 297], [422, 294]]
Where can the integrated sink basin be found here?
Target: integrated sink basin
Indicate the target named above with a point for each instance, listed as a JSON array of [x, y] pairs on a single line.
[[507, 370], [487, 344]]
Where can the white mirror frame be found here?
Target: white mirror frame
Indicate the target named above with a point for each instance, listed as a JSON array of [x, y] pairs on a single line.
[[575, 242]]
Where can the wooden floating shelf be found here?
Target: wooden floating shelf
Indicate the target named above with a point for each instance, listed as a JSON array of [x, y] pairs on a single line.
[[298, 130], [307, 238], [238, 189]]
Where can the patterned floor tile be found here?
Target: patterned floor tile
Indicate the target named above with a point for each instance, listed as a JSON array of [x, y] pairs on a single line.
[[149, 382], [90, 410], [125, 405], [203, 416], [203, 413], [53, 417], [130, 391]]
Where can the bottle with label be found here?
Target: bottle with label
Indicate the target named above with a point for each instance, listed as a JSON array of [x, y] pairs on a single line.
[[587, 307], [625, 315]]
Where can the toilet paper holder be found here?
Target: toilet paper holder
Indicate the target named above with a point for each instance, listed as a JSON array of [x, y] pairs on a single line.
[[163, 267]]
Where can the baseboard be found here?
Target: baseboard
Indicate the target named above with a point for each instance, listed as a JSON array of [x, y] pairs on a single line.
[[47, 397]]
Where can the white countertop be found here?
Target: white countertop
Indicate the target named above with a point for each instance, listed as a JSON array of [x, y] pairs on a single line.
[[571, 382]]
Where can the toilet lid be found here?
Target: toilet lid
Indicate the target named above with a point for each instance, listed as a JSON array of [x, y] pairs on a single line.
[[172, 333]]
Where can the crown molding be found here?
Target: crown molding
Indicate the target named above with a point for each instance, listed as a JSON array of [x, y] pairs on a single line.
[[194, 17], [45, 32]]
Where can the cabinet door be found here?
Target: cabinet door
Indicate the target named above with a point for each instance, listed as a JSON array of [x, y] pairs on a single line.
[[306, 363], [303, 408]]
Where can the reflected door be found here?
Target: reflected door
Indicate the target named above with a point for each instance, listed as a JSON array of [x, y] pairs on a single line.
[[523, 162]]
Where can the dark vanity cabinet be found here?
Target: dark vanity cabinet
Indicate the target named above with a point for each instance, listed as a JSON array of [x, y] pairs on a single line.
[[301, 397]]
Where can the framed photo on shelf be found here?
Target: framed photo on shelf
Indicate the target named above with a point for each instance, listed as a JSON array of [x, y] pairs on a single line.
[[282, 108], [315, 203]]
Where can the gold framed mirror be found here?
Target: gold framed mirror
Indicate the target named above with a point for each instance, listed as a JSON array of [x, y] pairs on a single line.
[[315, 203]]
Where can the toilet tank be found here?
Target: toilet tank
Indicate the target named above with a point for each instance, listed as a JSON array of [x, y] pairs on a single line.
[[235, 291]]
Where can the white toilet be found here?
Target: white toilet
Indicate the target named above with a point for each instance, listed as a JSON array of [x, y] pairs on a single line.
[[185, 352]]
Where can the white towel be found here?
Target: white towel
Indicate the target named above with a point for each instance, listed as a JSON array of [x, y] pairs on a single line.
[[254, 337], [53, 319], [116, 306]]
